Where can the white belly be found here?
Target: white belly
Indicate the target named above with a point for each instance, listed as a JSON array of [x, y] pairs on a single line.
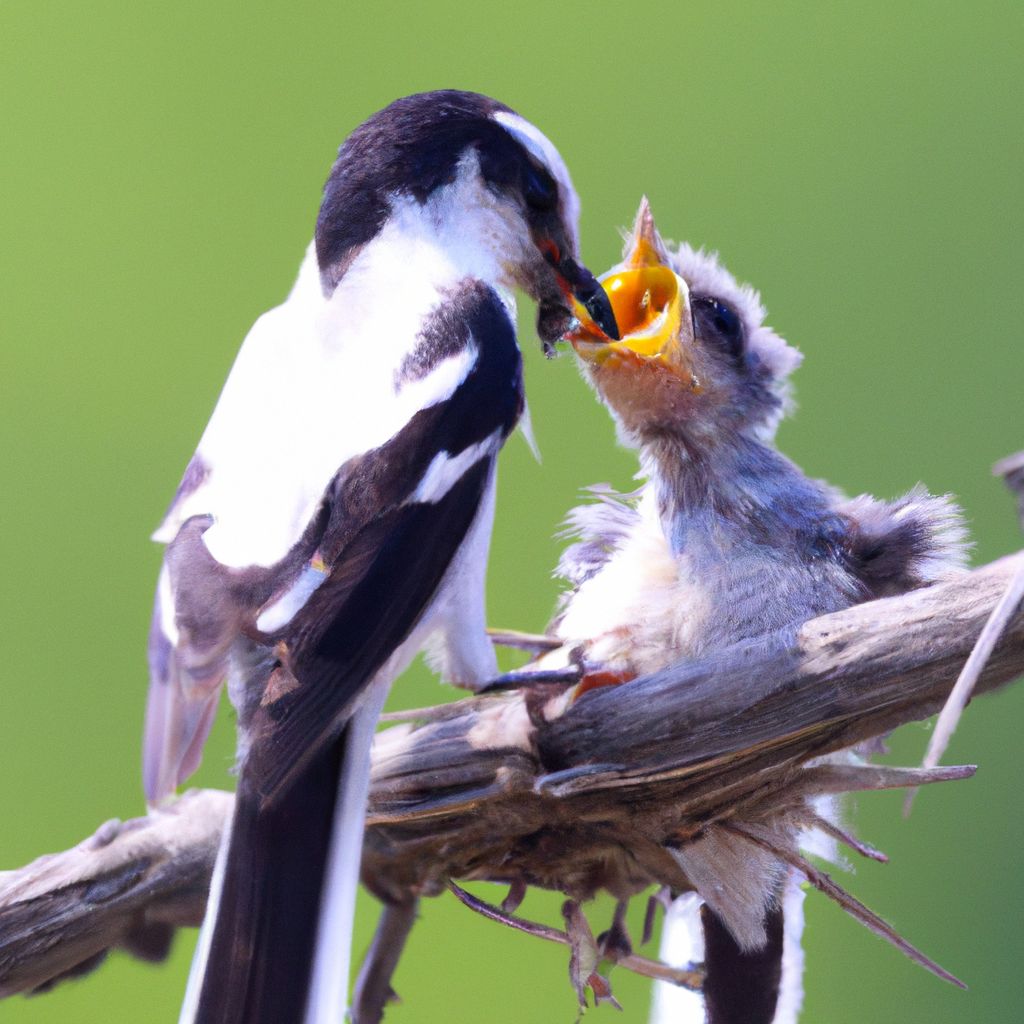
[[642, 610]]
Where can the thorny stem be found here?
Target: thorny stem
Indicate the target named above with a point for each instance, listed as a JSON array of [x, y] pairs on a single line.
[[688, 978]]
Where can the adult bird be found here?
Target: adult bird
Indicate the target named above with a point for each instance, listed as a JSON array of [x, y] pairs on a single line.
[[336, 517], [725, 541]]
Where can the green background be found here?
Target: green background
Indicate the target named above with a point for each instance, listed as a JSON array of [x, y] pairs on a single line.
[[161, 164]]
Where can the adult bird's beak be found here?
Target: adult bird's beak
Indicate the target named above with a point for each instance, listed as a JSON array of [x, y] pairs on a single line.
[[650, 304], [579, 286], [589, 297]]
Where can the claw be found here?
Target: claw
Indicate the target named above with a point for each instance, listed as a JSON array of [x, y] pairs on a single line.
[[516, 895], [585, 959], [662, 898], [615, 944]]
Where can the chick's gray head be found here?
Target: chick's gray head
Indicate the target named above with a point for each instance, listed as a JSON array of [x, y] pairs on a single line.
[[696, 360]]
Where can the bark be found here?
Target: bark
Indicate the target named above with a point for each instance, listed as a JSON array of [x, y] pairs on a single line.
[[530, 788]]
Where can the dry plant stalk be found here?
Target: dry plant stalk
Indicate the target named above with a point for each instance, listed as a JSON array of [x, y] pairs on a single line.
[[525, 788], [1011, 469]]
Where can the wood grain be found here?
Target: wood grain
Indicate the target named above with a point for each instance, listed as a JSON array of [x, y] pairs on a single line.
[[529, 788]]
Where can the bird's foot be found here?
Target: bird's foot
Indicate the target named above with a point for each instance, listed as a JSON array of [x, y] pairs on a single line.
[[516, 894], [585, 959], [527, 678], [662, 898], [615, 944]]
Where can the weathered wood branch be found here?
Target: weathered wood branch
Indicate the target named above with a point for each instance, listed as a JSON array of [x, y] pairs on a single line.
[[529, 788], [130, 884]]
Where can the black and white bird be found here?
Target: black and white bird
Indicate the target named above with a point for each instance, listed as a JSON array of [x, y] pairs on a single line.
[[336, 517], [725, 541]]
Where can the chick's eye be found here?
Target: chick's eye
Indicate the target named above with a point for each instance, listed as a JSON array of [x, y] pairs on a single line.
[[539, 188], [717, 322]]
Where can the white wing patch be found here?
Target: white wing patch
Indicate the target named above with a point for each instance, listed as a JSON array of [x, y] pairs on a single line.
[[446, 470], [312, 387], [442, 380], [280, 612]]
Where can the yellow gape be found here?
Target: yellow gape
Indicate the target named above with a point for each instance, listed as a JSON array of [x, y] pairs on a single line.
[[651, 304]]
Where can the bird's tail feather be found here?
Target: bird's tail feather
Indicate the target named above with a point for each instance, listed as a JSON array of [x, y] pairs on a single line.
[[202, 950], [765, 985], [791, 985], [328, 991], [276, 945], [682, 945], [741, 986], [263, 936], [177, 724]]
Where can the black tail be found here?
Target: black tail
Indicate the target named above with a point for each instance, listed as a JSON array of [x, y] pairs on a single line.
[[741, 987], [264, 934]]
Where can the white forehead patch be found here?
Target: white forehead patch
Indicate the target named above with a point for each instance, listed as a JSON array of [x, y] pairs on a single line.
[[541, 147]]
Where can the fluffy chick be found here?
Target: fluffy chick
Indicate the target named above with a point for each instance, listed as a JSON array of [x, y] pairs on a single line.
[[726, 540]]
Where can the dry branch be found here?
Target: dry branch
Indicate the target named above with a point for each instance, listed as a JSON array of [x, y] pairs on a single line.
[[528, 788], [1012, 470]]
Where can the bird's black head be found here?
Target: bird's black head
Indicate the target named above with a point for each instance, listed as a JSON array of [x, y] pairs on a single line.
[[470, 159]]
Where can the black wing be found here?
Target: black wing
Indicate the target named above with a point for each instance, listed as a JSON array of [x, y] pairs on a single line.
[[386, 544]]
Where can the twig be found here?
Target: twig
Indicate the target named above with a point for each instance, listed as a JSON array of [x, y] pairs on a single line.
[[535, 643], [1012, 469], [949, 717], [827, 885], [739, 737]]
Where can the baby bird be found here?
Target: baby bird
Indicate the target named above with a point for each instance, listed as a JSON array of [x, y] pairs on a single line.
[[726, 540]]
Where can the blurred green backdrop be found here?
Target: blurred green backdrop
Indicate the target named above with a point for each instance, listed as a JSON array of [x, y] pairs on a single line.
[[161, 165]]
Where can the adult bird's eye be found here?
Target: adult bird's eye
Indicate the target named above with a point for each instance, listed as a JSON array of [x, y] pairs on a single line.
[[539, 188], [719, 323]]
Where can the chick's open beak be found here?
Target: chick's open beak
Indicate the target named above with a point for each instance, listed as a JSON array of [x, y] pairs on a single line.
[[650, 304]]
